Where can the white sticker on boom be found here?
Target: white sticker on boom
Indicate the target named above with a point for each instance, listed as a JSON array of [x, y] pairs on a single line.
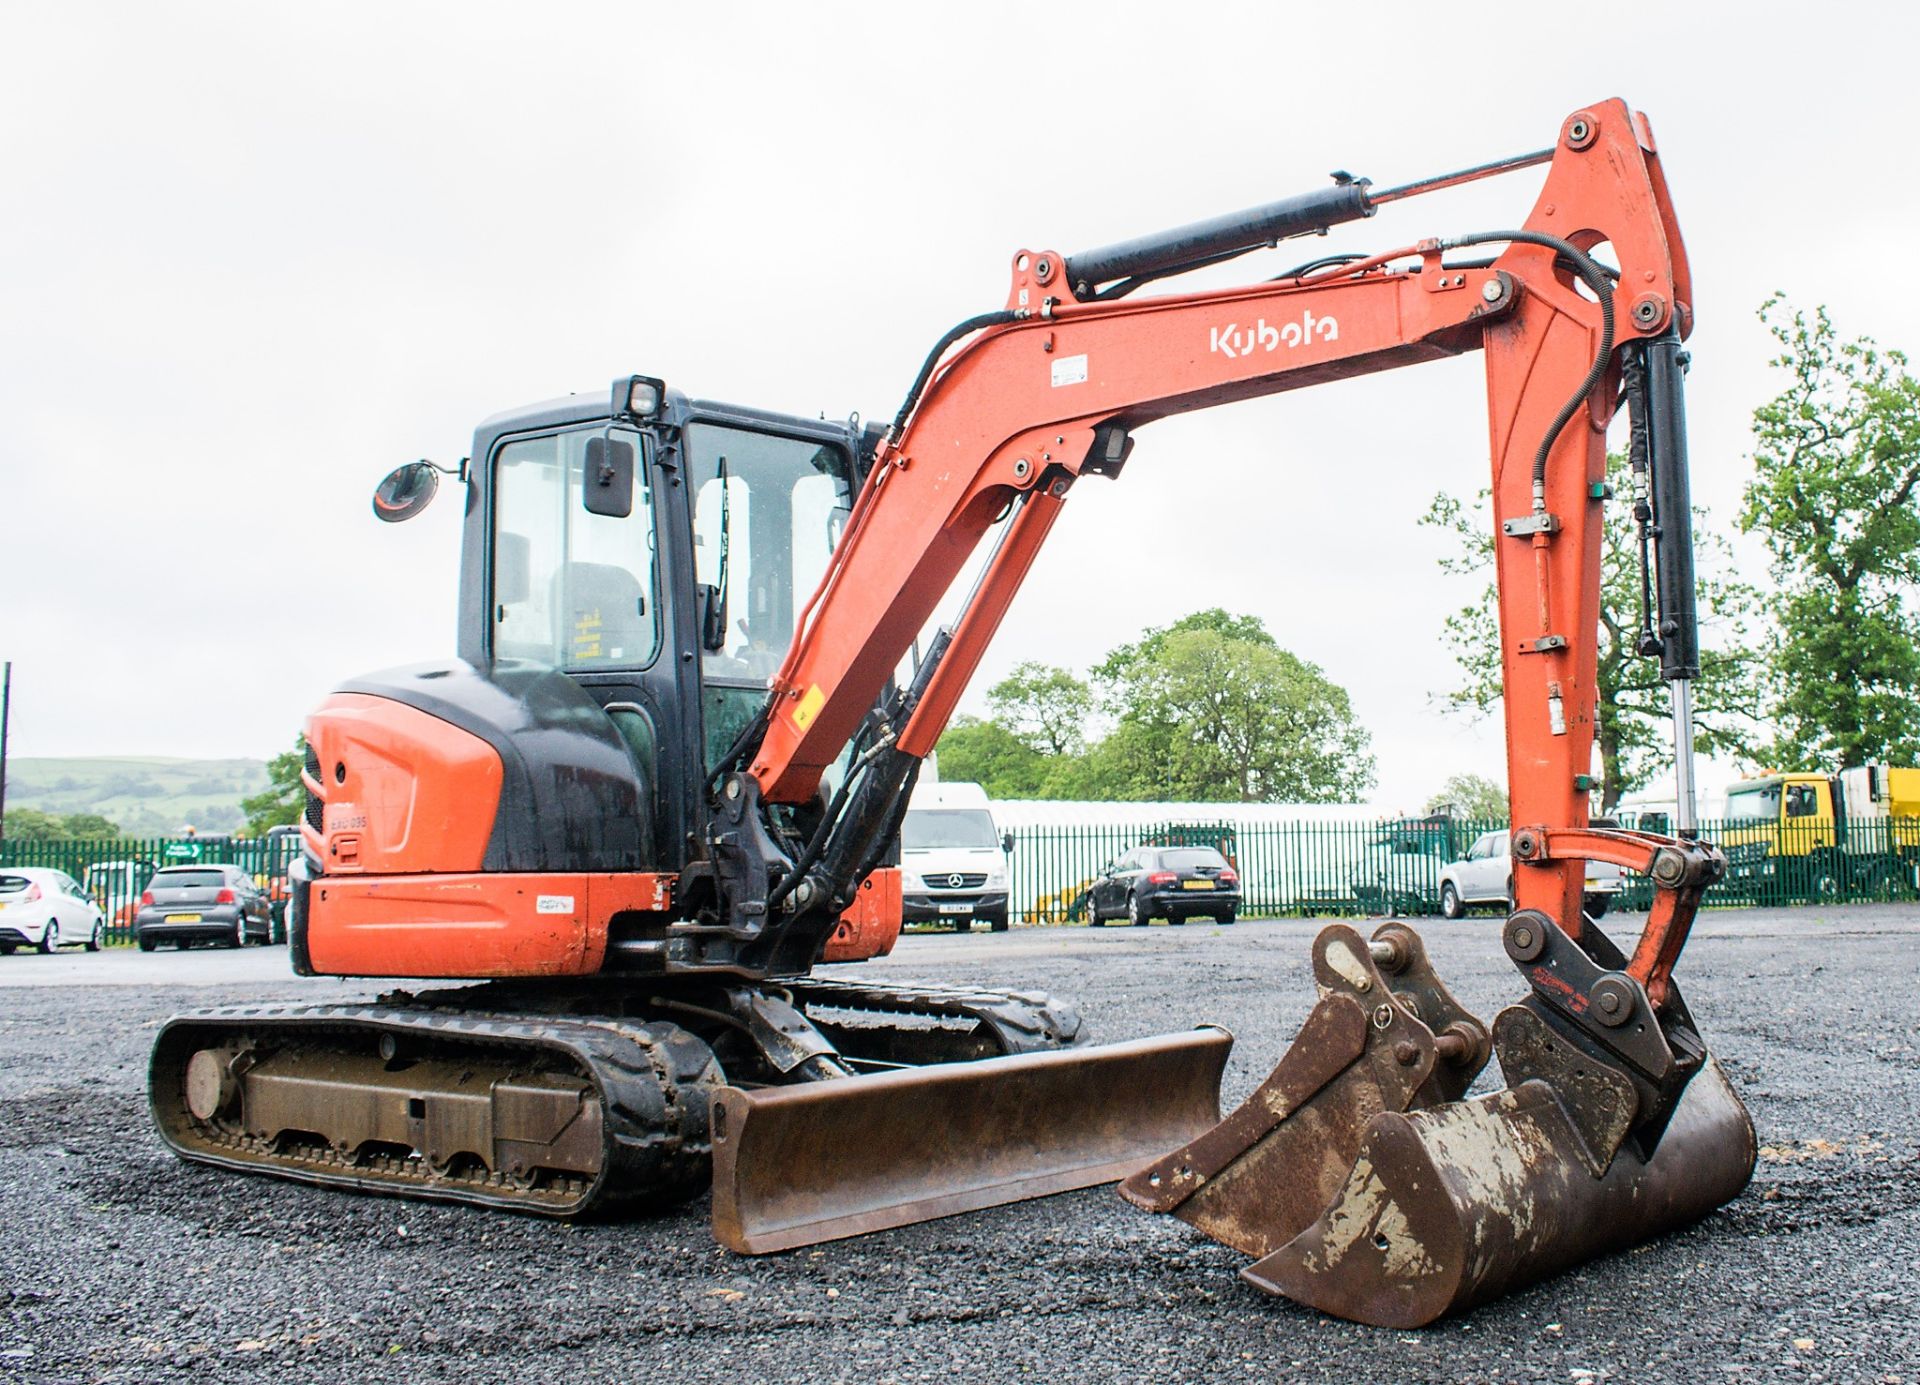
[[1070, 370], [553, 904]]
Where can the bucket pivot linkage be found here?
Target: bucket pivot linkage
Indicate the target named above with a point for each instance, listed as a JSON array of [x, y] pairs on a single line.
[[1371, 1190]]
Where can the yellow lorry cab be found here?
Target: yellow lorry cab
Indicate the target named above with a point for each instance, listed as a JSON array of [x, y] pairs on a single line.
[[1803, 834]]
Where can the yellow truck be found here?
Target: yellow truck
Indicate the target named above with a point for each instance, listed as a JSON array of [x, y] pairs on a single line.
[[1803, 835]]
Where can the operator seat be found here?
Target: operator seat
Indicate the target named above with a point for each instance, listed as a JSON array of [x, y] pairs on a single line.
[[600, 610]]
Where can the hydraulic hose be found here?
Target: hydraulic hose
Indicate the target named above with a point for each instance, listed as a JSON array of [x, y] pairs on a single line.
[[971, 325], [1596, 279]]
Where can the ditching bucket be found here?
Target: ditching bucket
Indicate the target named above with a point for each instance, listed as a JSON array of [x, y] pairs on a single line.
[[793, 1166], [1453, 1206], [1385, 1036]]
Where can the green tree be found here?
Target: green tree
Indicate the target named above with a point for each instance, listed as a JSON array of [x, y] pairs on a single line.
[[1045, 707], [1127, 657], [986, 753], [90, 827], [1471, 796], [32, 825], [1836, 465], [1632, 729], [285, 798], [1212, 708]]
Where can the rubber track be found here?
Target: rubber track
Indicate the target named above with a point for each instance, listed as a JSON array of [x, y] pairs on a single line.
[[1024, 1021], [650, 1077]]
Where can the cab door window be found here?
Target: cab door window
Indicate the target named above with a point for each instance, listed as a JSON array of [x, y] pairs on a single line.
[[765, 511], [571, 588]]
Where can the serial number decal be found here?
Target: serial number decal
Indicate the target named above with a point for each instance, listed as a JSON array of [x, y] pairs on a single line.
[[1235, 341], [1070, 370], [553, 904]]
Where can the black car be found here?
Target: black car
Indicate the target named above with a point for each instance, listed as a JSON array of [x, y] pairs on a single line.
[[203, 904], [1171, 882]]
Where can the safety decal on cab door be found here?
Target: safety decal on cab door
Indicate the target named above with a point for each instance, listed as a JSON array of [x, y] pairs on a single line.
[[553, 904]]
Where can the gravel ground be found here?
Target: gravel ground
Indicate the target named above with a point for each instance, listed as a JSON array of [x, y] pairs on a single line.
[[119, 1263]]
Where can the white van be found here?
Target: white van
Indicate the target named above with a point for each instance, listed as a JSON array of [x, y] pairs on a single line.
[[953, 860]]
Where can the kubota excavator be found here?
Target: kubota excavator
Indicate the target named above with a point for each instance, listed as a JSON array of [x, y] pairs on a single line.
[[665, 775]]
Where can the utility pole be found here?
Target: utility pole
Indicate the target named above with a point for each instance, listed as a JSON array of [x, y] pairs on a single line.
[[6, 706]]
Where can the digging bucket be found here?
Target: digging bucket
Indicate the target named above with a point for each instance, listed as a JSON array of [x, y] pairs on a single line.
[[1452, 1206], [793, 1166], [1384, 1036]]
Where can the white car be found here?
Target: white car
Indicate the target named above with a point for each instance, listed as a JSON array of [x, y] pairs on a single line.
[[1485, 876], [45, 909]]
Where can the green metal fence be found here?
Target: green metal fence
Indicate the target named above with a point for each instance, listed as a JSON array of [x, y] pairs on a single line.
[[1392, 866], [114, 871]]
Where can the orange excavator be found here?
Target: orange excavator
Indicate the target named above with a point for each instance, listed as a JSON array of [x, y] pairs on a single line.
[[664, 780]]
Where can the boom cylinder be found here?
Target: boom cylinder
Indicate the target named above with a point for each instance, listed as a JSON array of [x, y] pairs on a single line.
[[1185, 247]]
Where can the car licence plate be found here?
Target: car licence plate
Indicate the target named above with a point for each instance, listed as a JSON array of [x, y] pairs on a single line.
[[956, 908], [1196, 884], [183, 918]]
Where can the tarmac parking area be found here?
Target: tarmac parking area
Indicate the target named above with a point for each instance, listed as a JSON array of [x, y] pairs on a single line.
[[119, 1263]]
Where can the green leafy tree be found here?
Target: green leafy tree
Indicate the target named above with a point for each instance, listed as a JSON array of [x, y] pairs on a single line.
[[986, 753], [1836, 465], [1212, 708], [1471, 796], [90, 827], [285, 798], [32, 825], [1045, 707], [1632, 728]]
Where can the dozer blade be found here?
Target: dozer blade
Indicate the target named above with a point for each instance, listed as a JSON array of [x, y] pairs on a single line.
[[1385, 1036], [1452, 1206], [796, 1165]]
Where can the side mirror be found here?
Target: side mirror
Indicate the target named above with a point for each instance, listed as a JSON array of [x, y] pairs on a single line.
[[607, 488], [406, 491], [1006, 843], [713, 618]]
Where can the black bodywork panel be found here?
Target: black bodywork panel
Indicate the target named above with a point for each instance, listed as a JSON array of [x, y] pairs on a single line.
[[571, 797]]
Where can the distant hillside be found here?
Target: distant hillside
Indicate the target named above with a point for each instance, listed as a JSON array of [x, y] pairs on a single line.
[[148, 795]]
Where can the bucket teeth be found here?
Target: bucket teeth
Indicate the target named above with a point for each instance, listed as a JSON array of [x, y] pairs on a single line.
[[1385, 1036]]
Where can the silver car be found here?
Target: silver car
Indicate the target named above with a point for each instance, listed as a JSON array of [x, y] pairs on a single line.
[[1485, 877], [44, 909]]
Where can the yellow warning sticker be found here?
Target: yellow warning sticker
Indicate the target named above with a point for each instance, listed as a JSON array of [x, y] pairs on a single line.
[[808, 707]]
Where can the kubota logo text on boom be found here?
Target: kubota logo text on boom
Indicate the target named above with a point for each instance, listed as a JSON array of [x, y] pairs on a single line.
[[1234, 342]]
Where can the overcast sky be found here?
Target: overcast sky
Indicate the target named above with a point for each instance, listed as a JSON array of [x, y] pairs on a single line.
[[258, 254]]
